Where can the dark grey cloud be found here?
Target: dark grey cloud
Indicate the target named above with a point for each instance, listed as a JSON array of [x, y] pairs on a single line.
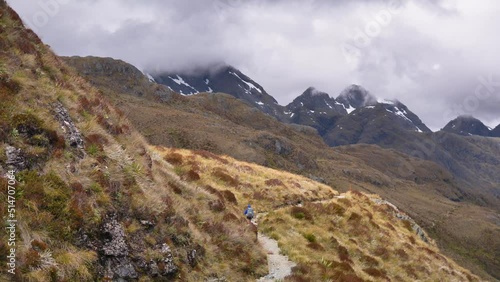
[[433, 55]]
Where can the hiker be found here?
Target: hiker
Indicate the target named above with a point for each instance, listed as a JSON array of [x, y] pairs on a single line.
[[249, 212]]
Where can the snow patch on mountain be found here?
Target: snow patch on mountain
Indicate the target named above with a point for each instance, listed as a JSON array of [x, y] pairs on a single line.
[[249, 84], [151, 79], [350, 109], [180, 81], [329, 106], [403, 114], [400, 113]]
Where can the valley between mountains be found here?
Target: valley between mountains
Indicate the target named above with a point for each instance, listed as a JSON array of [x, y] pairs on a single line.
[[446, 181], [126, 176]]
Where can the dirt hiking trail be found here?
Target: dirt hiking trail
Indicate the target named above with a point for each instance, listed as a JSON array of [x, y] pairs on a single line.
[[279, 265]]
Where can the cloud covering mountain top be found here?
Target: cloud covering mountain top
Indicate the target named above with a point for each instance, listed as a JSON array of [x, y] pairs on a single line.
[[438, 57]]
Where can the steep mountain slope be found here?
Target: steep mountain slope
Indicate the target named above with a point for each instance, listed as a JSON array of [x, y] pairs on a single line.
[[355, 116], [392, 125], [225, 125], [312, 108], [118, 75], [467, 125], [96, 202], [375, 124], [316, 109], [348, 237], [496, 131], [93, 202], [224, 79]]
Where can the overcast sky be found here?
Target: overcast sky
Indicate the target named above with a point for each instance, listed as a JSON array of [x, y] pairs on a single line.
[[440, 58]]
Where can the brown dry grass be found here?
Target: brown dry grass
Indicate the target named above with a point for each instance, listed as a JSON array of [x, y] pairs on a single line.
[[235, 129], [355, 241], [66, 193], [134, 180]]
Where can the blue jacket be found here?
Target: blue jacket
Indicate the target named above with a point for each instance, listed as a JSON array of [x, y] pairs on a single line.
[[248, 210]]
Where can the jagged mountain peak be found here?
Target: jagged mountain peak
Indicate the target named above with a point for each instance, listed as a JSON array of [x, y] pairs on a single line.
[[356, 96], [314, 100], [221, 78], [312, 91], [467, 125], [311, 94]]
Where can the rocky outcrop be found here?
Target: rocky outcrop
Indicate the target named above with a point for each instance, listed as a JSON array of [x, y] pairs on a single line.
[[164, 266], [15, 159], [114, 252], [119, 259], [418, 230], [72, 134], [194, 254], [192, 257], [402, 216]]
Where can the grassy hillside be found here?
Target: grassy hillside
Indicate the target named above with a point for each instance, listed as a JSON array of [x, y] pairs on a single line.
[[332, 236], [102, 207], [222, 124], [95, 201]]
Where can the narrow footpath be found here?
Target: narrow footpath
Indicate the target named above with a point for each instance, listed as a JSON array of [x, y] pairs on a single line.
[[279, 266]]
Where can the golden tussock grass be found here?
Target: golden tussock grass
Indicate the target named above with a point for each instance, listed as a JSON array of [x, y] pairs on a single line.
[[350, 236], [194, 198]]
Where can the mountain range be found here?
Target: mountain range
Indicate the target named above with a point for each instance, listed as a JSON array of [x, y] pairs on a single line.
[[295, 138], [313, 107], [358, 117], [223, 79]]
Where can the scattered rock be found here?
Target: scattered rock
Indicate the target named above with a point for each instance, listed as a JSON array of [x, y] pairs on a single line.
[[398, 214], [420, 232], [114, 239], [147, 223], [153, 269], [166, 266], [73, 136], [192, 258], [195, 254], [84, 240], [15, 158], [119, 269], [114, 251]]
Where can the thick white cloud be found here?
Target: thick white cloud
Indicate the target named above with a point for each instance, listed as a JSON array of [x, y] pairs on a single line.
[[432, 55]]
